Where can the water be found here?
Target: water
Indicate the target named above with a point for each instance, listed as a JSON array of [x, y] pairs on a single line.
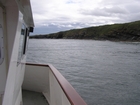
[[102, 72]]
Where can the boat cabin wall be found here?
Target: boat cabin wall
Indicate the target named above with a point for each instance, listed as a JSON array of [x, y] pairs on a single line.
[[2, 58], [14, 32]]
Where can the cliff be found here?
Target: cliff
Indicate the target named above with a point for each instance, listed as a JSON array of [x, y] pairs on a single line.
[[117, 32]]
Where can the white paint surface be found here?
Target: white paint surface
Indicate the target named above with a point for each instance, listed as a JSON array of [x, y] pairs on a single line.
[[1, 45], [2, 60], [11, 74], [15, 74], [57, 96], [41, 79], [37, 79]]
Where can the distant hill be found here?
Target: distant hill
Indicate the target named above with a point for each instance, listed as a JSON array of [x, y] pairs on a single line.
[[115, 32]]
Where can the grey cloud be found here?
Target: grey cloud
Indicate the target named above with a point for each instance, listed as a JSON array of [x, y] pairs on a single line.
[[48, 29], [60, 19], [116, 2], [95, 12], [72, 1], [57, 27], [134, 17], [133, 8], [124, 5], [130, 17], [106, 12], [116, 14], [116, 10]]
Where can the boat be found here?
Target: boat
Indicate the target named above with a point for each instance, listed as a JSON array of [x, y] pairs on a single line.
[[23, 83]]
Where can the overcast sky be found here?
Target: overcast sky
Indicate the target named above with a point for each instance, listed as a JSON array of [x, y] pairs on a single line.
[[58, 15]]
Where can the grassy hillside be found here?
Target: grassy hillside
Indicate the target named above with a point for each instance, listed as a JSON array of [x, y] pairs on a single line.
[[117, 32]]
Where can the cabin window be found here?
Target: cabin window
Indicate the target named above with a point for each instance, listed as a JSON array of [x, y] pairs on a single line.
[[1, 45], [21, 42], [26, 41]]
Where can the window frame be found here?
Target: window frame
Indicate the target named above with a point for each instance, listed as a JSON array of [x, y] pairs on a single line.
[[26, 41], [22, 42]]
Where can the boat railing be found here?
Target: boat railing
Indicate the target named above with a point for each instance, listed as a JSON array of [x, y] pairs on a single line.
[[47, 79]]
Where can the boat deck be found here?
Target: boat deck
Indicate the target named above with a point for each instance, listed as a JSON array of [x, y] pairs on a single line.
[[33, 98]]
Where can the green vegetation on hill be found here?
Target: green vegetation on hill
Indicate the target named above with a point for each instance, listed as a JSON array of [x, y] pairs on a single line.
[[116, 32]]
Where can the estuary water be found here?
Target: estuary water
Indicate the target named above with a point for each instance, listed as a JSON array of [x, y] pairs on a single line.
[[102, 72]]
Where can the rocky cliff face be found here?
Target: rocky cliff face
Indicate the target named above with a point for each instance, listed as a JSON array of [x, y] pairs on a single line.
[[116, 32]]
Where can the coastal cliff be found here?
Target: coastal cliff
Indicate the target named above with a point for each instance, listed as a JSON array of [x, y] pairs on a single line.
[[115, 32]]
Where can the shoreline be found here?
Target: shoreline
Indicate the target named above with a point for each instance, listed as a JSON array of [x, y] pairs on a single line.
[[92, 39]]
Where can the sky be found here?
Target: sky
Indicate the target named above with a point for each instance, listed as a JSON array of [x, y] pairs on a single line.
[[52, 16]]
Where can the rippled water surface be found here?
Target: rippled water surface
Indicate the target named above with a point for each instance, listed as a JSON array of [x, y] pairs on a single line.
[[102, 72]]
